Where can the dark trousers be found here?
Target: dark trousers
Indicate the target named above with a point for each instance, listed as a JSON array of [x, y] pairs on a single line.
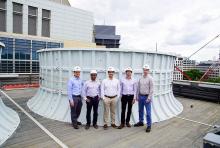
[[124, 101], [93, 103], [76, 109]]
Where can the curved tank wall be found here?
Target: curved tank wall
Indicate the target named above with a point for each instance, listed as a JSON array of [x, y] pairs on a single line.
[[9, 121], [56, 68]]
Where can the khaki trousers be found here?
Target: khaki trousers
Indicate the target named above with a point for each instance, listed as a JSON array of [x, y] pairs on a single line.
[[109, 104]]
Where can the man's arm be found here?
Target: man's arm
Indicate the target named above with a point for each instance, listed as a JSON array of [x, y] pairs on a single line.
[[119, 89], [102, 89], [135, 89], [84, 91], [99, 90], [69, 90], [151, 88]]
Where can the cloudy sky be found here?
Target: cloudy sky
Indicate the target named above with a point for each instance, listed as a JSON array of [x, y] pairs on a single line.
[[180, 26]]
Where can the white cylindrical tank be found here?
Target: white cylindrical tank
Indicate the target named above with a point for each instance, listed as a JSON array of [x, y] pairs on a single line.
[[9, 121], [56, 68]]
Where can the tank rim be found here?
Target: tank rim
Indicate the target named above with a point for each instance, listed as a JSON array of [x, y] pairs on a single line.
[[109, 49]]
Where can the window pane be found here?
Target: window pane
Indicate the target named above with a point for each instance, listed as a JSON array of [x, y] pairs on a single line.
[[17, 23], [37, 45], [3, 4], [32, 10], [3, 20], [32, 25], [45, 13], [17, 7], [22, 49], [6, 67], [45, 27]]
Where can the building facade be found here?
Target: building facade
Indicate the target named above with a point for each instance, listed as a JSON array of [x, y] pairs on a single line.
[[177, 75], [212, 66], [27, 26], [106, 36], [188, 64]]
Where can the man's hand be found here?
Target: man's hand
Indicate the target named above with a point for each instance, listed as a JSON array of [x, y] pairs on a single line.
[[71, 103], [148, 100], [133, 101], [87, 100]]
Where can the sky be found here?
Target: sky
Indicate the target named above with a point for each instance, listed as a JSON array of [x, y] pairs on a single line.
[[179, 26]]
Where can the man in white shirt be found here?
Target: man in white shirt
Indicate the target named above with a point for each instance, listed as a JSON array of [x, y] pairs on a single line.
[[128, 95], [145, 94], [110, 91], [91, 93]]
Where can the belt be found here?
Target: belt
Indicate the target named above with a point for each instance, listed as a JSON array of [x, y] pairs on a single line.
[[76, 96], [91, 97], [128, 95], [144, 95], [110, 96]]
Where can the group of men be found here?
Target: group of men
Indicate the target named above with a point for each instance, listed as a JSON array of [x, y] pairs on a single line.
[[110, 91]]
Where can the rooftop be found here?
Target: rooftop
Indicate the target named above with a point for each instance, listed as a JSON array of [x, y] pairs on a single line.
[[170, 133]]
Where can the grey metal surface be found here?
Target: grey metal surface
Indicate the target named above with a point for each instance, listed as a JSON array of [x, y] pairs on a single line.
[[56, 68], [9, 121]]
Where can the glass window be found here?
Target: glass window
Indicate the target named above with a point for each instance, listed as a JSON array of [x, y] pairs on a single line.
[[37, 45], [6, 66], [22, 49], [22, 66], [3, 15], [53, 45], [32, 20], [46, 23], [7, 51], [17, 17], [35, 67]]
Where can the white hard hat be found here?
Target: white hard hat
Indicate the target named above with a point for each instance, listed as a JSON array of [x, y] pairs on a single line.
[[128, 69], [146, 66], [111, 69], [93, 72], [76, 68]]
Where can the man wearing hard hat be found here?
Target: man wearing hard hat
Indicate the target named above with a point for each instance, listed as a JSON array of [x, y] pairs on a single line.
[[110, 91], [145, 94], [74, 90], [128, 95], [91, 93]]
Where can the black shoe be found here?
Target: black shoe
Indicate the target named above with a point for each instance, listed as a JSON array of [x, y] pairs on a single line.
[[95, 126], [87, 126], [79, 123], [128, 124], [114, 126], [75, 126], [139, 124], [105, 127], [121, 126], [148, 129]]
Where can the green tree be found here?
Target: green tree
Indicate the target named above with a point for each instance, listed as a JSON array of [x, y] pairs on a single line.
[[195, 74], [214, 80]]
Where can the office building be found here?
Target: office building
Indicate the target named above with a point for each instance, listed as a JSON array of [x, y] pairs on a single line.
[[27, 26], [106, 36]]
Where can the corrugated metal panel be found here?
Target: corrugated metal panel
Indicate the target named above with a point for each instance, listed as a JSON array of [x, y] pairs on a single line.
[[56, 68], [9, 121]]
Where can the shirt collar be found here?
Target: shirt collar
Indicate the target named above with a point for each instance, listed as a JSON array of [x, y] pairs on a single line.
[[76, 78]]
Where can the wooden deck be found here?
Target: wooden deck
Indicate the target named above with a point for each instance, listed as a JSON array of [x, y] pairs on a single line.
[[171, 133]]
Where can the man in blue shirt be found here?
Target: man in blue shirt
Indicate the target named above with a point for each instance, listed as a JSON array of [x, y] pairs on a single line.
[[74, 95]]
